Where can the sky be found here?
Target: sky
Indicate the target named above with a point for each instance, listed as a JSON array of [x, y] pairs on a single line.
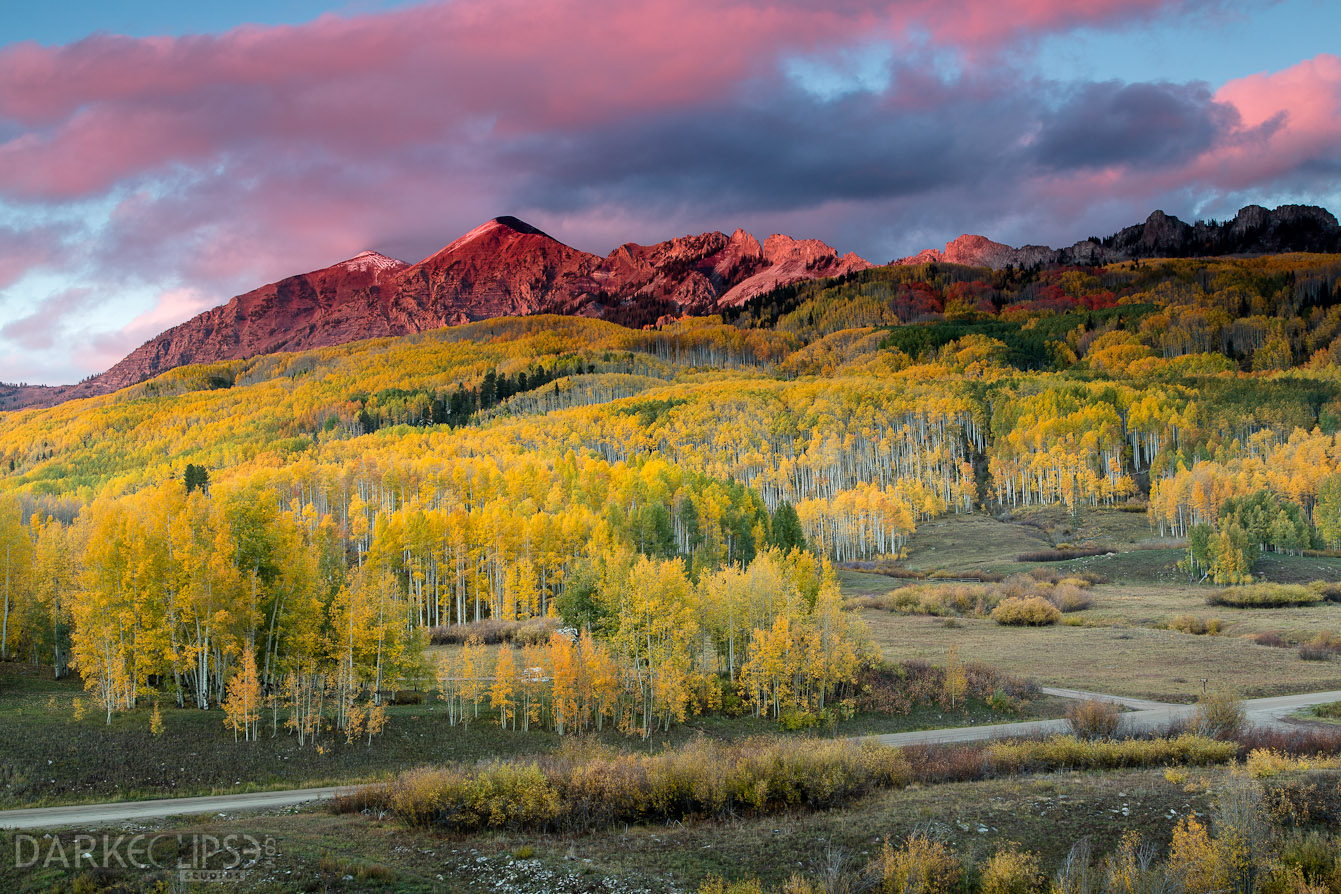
[[157, 158]]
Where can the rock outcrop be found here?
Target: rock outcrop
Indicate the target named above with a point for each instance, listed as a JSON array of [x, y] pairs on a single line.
[[1253, 231]]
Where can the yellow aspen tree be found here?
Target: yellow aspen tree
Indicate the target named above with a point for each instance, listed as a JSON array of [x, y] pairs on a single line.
[[242, 705], [605, 680], [472, 677], [449, 685], [375, 721], [503, 691], [534, 683], [564, 660]]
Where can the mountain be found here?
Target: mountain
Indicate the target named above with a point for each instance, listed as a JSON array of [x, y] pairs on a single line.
[[508, 267], [502, 267], [1253, 231]]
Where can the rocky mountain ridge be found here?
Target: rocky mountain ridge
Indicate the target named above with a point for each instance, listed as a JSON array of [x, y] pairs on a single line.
[[1253, 231]]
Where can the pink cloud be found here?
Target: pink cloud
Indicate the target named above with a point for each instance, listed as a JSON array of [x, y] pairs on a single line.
[[107, 108], [1287, 119], [1279, 126]]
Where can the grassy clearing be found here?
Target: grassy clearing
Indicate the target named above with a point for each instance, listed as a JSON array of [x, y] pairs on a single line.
[[50, 758], [1148, 663]]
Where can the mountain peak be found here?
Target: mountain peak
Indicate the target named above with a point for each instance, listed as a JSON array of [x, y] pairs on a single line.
[[518, 225], [371, 260], [496, 229]]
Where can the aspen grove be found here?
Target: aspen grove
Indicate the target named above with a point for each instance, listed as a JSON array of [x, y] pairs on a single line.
[[674, 495]]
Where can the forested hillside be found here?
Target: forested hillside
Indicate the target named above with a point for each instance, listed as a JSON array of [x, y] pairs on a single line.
[[294, 523]]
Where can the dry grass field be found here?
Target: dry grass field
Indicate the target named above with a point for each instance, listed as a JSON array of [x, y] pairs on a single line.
[[1122, 643]]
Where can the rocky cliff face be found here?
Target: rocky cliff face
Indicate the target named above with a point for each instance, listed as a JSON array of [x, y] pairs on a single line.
[[502, 267], [1254, 230]]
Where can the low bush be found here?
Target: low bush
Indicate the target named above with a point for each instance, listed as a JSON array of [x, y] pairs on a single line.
[[1323, 646], [941, 600], [1011, 871], [1034, 611], [922, 864], [1329, 591], [1219, 715], [1082, 579], [586, 788], [1067, 597], [1093, 719], [1196, 625], [1330, 711], [1265, 596], [1072, 753], [1062, 555], [1237, 851], [886, 567], [978, 600], [968, 576], [1296, 742], [1268, 639]]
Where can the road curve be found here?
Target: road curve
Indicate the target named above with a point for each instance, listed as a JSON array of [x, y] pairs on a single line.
[[1146, 717]]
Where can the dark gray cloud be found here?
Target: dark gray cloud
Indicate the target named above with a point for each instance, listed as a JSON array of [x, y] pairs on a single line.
[[1112, 123]]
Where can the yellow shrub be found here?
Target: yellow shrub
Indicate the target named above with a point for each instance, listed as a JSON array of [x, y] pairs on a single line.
[[1196, 860], [1011, 872], [921, 866], [1068, 752], [1033, 611], [1264, 762]]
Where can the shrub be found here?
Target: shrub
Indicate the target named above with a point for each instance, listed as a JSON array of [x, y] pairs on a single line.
[[1069, 752], [1033, 611], [586, 788], [1195, 859], [1297, 742], [1331, 710], [1265, 762], [1093, 719], [885, 567], [921, 865], [1268, 639], [1195, 625], [1070, 598], [1329, 591], [1265, 596], [1062, 555], [1323, 646], [1219, 715], [941, 599], [1011, 872]]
